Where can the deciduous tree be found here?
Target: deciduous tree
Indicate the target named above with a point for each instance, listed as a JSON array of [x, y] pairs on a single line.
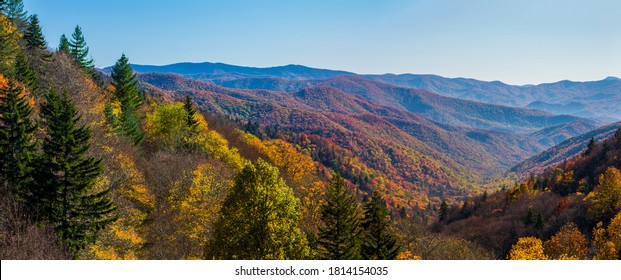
[[527, 248], [259, 219]]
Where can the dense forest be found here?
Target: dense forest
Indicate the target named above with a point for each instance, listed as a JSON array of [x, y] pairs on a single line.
[[114, 165]]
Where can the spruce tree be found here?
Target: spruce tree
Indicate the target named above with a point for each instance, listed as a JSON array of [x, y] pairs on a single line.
[[339, 233], [188, 106], [14, 10], [259, 219], [63, 44], [443, 211], [16, 140], [64, 184], [379, 243], [79, 50], [2, 6], [126, 84], [24, 73], [33, 35], [590, 146]]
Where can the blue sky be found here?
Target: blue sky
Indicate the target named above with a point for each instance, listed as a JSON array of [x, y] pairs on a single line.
[[517, 42]]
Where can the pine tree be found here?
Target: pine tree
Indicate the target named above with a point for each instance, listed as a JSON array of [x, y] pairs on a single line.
[[339, 234], [24, 73], [443, 211], [79, 50], [259, 219], [126, 92], [590, 146], [530, 217], [14, 10], [379, 243], [16, 140], [33, 35], [130, 125], [65, 180], [188, 106], [2, 6], [63, 45]]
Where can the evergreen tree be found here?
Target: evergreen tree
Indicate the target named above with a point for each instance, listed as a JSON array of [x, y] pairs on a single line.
[[443, 211], [14, 10], [16, 140], [33, 35], [63, 44], [618, 138], [130, 125], [590, 146], [259, 219], [79, 50], [188, 106], [339, 233], [24, 73], [2, 6], [379, 243], [539, 221], [126, 92], [65, 178], [530, 217]]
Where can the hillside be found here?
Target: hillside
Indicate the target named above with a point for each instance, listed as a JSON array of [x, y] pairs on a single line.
[[562, 151], [594, 99], [578, 198], [451, 111]]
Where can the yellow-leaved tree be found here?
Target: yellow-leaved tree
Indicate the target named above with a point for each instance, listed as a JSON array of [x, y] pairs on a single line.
[[605, 200], [9, 45], [527, 248], [608, 241], [196, 207], [567, 244]]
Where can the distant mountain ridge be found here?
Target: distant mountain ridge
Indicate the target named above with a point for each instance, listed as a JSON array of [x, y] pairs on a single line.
[[596, 99], [562, 151]]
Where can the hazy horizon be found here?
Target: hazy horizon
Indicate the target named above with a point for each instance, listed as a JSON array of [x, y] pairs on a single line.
[[518, 43]]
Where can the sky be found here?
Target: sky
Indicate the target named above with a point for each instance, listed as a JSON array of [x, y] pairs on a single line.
[[517, 42]]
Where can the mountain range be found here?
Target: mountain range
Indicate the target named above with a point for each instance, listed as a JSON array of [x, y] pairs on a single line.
[[596, 99]]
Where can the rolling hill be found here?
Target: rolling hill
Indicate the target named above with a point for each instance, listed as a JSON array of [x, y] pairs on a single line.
[[567, 149], [594, 99]]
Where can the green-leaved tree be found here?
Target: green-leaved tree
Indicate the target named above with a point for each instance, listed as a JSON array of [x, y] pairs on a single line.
[[259, 219]]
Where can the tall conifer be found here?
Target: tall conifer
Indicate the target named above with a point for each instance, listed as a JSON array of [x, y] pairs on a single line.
[[379, 243], [126, 84], [33, 35], [79, 50], [16, 140], [63, 44], [65, 180], [24, 73], [14, 9], [340, 231], [188, 106]]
